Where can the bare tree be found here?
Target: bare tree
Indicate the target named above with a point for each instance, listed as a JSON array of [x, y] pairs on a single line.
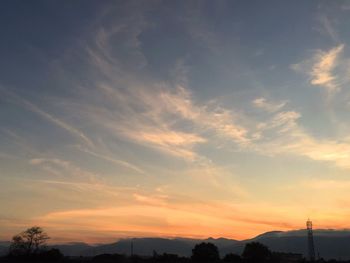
[[29, 241]]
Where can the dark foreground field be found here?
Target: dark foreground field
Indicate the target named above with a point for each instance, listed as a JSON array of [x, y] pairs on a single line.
[[164, 258]]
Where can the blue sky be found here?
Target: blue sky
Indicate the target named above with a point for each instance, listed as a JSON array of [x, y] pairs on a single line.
[[164, 118]]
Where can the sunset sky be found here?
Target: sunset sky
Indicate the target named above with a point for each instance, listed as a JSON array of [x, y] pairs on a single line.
[[173, 118]]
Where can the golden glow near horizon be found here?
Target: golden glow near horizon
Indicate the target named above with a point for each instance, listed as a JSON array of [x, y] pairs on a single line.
[[135, 122]]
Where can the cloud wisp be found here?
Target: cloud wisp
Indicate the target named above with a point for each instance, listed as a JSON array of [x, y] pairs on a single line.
[[64, 168], [263, 104], [283, 134], [154, 114], [49, 117], [322, 71], [322, 68]]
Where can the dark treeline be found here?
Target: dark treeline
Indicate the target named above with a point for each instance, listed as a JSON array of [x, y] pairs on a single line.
[[30, 246]]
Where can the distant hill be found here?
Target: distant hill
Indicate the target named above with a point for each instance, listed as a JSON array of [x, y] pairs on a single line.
[[74, 249], [329, 244], [4, 245]]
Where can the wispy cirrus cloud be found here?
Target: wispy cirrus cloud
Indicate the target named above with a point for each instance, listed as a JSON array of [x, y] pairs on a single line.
[[159, 111], [209, 116], [322, 71], [282, 133], [49, 117], [322, 68], [152, 112], [264, 104], [57, 121], [155, 119], [161, 108], [110, 158], [63, 168], [146, 122], [327, 27]]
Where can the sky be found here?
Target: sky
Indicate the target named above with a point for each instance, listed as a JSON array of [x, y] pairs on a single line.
[[173, 118]]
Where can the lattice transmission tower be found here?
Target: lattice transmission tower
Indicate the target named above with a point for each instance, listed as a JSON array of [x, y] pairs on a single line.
[[310, 240]]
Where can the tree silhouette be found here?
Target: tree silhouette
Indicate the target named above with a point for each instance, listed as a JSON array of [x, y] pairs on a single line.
[[205, 252], [256, 252], [29, 241]]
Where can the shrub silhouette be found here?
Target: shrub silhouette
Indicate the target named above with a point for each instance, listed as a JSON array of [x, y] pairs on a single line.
[[256, 252], [205, 252]]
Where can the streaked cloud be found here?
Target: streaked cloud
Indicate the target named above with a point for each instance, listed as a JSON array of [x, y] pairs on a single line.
[[290, 137], [327, 27], [263, 104], [162, 219], [63, 169], [111, 159], [151, 112], [49, 117], [322, 68]]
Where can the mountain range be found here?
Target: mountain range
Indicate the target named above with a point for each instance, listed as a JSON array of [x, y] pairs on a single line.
[[328, 243]]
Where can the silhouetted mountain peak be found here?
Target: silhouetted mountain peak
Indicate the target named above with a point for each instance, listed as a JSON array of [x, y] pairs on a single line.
[[269, 234]]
